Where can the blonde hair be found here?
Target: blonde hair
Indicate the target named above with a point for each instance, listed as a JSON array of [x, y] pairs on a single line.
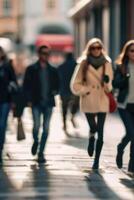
[[122, 58], [89, 44]]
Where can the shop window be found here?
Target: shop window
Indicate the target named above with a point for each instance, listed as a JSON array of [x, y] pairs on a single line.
[[7, 7]]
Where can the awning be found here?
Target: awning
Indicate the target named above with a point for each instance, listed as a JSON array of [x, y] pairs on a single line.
[[57, 41]]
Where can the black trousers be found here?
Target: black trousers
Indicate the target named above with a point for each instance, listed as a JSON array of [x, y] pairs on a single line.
[[69, 102], [128, 121], [96, 123]]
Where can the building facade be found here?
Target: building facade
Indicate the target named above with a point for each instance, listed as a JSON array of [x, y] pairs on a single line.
[[25, 19], [11, 16], [45, 13], [112, 21]]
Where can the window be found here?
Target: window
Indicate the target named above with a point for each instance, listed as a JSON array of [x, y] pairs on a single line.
[[51, 4], [6, 7]]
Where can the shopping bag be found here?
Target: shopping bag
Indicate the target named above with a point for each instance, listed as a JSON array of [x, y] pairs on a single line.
[[112, 102], [20, 131]]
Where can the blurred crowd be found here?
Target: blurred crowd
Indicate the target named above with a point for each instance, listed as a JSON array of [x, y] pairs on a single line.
[[82, 84]]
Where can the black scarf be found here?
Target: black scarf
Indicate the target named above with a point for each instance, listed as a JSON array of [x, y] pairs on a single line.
[[96, 62]]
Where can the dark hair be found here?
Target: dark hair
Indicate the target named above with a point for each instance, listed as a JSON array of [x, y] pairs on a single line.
[[41, 48], [122, 60], [2, 50], [4, 56], [125, 60]]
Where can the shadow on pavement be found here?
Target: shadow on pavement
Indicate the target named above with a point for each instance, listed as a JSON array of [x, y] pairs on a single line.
[[128, 183], [5, 184], [97, 185], [40, 181]]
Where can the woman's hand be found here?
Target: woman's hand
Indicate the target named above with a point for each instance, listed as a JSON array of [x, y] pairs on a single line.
[[106, 78]]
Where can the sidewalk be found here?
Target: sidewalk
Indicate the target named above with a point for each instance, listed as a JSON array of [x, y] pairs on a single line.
[[67, 175]]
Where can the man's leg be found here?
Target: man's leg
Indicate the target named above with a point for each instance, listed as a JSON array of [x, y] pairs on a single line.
[[36, 126], [47, 112], [4, 111], [74, 107], [65, 104]]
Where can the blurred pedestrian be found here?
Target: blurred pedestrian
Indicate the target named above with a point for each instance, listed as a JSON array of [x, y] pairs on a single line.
[[69, 101], [124, 81], [41, 84], [90, 84], [19, 99], [7, 87]]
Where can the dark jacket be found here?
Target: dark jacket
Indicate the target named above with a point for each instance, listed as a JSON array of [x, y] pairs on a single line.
[[65, 71], [7, 81], [32, 84], [121, 81], [19, 98]]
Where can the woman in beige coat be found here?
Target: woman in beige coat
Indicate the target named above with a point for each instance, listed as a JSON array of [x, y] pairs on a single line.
[[91, 79]]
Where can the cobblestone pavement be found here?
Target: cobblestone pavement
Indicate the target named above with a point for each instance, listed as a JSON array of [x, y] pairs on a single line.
[[67, 175]]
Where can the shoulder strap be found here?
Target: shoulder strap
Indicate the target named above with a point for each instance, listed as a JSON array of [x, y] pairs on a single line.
[[103, 73]]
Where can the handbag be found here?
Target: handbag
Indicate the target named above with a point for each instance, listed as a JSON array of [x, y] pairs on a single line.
[[111, 98], [112, 102], [20, 131]]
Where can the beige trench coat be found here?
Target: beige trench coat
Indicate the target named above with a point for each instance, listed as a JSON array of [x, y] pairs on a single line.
[[92, 94]]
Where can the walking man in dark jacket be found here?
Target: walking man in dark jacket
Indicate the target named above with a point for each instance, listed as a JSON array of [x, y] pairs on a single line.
[[40, 85], [69, 101]]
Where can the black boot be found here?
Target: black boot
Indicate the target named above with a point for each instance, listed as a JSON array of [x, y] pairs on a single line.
[[90, 148], [119, 157], [99, 145]]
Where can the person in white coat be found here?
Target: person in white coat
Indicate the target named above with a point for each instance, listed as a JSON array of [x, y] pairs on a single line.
[[91, 82]]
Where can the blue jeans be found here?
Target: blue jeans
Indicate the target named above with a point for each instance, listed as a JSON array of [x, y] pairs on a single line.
[[4, 111], [37, 111], [128, 121]]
